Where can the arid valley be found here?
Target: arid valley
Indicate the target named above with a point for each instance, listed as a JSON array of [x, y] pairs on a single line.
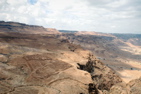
[[121, 52], [38, 60]]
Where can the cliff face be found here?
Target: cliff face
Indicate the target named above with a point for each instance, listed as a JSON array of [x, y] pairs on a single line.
[[103, 77]]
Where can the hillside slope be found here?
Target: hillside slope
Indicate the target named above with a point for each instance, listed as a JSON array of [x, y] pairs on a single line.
[[24, 28]]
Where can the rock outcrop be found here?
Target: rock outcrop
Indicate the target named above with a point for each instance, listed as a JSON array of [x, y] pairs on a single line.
[[103, 77], [135, 86]]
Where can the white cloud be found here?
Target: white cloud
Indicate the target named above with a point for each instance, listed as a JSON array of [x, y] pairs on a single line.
[[91, 15]]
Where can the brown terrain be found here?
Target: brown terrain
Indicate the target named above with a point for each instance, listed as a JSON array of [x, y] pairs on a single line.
[[24, 28], [121, 52], [36, 60]]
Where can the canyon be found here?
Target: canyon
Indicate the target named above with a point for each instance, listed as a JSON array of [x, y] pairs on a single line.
[[121, 52], [38, 60]]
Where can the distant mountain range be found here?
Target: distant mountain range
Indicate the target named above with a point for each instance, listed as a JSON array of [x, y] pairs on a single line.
[[24, 28]]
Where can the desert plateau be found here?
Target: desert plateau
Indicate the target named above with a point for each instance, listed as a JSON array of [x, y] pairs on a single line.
[[38, 60]]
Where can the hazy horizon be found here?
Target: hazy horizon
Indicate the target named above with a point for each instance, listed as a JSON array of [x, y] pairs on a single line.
[[110, 16]]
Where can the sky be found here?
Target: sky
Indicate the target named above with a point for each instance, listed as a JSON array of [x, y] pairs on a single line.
[[108, 16]]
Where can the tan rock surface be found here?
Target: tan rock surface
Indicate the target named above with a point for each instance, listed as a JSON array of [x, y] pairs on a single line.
[[48, 66]]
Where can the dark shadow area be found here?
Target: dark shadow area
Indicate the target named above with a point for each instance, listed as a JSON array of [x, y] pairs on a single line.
[[81, 67], [92, 89]]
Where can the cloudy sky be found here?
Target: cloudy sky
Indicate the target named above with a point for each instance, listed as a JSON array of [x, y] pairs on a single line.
[[114, 16]]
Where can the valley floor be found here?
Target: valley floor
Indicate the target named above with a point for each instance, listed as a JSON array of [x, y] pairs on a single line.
[[127, 68]]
